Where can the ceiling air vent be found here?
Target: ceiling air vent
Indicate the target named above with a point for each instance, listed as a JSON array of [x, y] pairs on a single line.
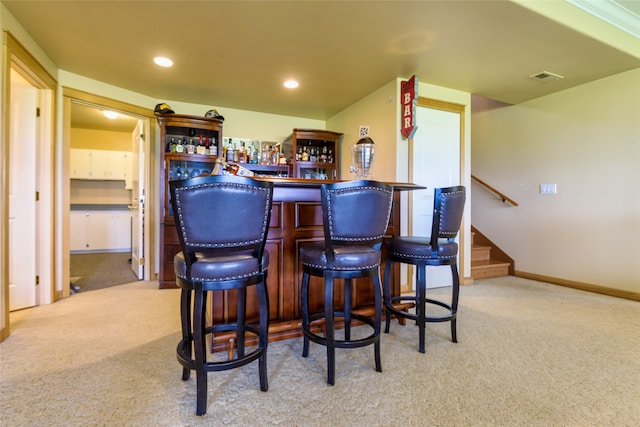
[[546, 76]]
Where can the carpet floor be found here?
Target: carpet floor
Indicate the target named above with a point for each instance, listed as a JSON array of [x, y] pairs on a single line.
[[528, 354]]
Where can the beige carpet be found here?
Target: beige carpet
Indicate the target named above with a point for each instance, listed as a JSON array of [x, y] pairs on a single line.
[[529, 354]]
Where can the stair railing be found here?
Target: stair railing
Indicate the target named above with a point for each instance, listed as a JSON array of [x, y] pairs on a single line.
[[502, 196]]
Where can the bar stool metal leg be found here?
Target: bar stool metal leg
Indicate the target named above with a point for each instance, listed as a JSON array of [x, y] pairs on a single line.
[[329, 330]]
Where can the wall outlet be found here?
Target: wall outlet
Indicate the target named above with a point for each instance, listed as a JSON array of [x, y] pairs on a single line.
[[548, 189], [364, 131]]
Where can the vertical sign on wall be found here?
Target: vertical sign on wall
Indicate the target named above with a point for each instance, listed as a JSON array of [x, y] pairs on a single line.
[[409, 100]]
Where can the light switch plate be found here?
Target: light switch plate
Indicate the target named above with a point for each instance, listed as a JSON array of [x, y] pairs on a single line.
[[548, 189]]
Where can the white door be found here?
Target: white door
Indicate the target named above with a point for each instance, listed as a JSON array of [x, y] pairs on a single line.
[[22, 194], [435, 163], [137, 201]]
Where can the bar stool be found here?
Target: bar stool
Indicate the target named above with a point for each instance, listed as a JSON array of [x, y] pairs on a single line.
[[355, 216], [219, 258], [437, 250]]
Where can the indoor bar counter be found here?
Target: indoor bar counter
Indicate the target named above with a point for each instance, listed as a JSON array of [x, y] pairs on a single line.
[[296, 220]]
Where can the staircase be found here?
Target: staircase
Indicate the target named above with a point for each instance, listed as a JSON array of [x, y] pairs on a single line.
[[486, 260]]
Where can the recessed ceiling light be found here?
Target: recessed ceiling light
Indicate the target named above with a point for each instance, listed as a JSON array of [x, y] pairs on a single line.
[[291, 84], [110, 114], [162, 61]]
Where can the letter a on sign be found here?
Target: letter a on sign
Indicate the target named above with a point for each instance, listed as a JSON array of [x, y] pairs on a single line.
[[409, 99]]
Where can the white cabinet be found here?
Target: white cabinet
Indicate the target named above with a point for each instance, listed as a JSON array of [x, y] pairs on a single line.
[[100, 164], [121, 225], [82, 164], [96, 231]]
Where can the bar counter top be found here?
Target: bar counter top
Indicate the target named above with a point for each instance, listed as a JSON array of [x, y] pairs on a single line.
[[316, 183]]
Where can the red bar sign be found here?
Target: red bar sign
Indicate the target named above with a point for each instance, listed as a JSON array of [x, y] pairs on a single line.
[[409, 99]]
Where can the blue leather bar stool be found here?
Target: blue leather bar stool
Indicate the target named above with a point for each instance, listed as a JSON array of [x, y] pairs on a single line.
[[355, 216], [219, 258], [436, 250]]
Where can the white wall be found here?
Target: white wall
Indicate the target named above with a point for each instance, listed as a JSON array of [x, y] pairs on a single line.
[[378, 111], [587, 141], [249, 124]]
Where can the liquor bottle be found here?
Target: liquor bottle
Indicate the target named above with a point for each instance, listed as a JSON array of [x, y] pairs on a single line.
[[213, 147], [180, 146], [234, 168], [305, 154], [242, 153], [264, 155], [256, 155], [190, 146], [231, 151], [251, 155], [201, 148]]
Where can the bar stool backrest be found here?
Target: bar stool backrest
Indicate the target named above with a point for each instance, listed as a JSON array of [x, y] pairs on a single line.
[[355, 213], [221, 213], [448, 207]]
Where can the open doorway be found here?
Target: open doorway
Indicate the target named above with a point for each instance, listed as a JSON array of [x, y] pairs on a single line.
[[147, 172], [106, 197], [26, 156]]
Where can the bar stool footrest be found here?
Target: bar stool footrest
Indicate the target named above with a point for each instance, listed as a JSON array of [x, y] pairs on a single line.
[[353, 343], [406, 315], [184, 353]]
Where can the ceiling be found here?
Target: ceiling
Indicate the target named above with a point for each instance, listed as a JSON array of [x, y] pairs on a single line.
[[236, 54], [89, 117]]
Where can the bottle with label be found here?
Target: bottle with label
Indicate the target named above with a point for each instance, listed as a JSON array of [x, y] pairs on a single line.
[[201, 148], [180, 146], [251, 154], [242, 153], [256, 155], [231, 151], [264, 155], [191, 145], [213, 148], [305, 154], [234, 168]]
